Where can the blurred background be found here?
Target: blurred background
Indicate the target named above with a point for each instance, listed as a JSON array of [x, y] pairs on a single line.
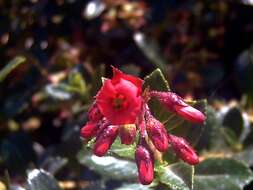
[[54, 53]]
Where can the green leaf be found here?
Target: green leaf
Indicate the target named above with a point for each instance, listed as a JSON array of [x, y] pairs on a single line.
[[246, 155], [157, 81], [177, 176], [121, 150], [10, 66], [211, 139], [41, 180], [234, 121], [109, 167], [231, 138], [221, 174]]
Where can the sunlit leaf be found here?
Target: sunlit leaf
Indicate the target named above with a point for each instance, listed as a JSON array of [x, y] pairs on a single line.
[[177, 176], [221, 174], [41, 180], [109, 167]]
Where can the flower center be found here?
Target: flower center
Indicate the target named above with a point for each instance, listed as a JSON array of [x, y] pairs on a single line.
[[119, 102]]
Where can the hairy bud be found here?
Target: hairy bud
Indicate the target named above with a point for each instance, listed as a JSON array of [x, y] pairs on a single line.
[[105, 139], [183, 150], [145, 163], [175, 103], [89, 130], [157, 133]]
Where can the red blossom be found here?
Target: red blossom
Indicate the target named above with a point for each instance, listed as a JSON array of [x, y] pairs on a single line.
[[105, 139], [145, 163], [119, 99], [175, 103], [127, 134], [183, 150]]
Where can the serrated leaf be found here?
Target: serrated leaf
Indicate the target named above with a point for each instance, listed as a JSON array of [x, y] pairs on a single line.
[[41, 180], [10, 66], [156, 81], [177, 176], [221, 174], [109, 167], [234, 121]]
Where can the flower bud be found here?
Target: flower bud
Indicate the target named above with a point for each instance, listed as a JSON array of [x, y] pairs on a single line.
[[89, 130], [145, 163], [190, 114], [157, 133], [175, 103], [127, 133], [105, 139], [183, 150], [94, 113]]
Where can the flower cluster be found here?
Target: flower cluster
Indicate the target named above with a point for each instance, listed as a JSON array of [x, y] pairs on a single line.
[[120, 109]]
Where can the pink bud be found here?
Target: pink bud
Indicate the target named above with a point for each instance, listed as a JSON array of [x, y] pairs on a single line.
[[145, 163], [157, 133], [94, 113], [127, 133], [175, 103], [105, 139], [183, 150], [190, 114], [89, 130]]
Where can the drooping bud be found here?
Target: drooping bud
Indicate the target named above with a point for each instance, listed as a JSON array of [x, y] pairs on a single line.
[[89, 130], [175, 103], [183, 150], [105, 139], [145, 164], [127, 133], [94, 113], [157, 133]]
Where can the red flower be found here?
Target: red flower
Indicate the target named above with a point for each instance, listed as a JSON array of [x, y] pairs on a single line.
[[157, 133], [145, 163], [175, 103], [119, 99], [183, 150], [105, 139], [127, 134]]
